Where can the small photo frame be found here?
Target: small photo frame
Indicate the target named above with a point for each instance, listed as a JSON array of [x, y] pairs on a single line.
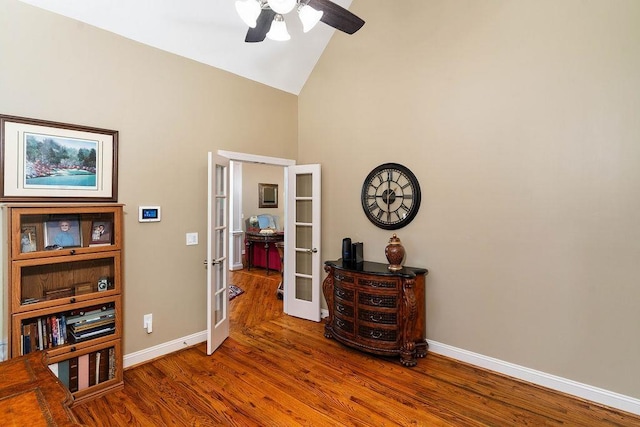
[[100, 233], [62, 232], [28, 239]]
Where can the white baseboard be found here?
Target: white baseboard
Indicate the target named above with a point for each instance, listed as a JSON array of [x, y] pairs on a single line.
[[584, 391], [236, 266], [163, 349], [594, 394]]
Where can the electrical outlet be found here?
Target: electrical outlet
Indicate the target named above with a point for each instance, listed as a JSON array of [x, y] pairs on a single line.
[[148, 323]]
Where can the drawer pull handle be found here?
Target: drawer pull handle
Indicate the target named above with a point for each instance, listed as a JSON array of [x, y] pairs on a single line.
[[340, 293], [73, 252], [375, 334], [375, 301], [72, 300], [339, 323], [375, 317], [340, 308], [73, 348]]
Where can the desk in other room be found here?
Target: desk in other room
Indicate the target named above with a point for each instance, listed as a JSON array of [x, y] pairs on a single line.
[[268, 241]]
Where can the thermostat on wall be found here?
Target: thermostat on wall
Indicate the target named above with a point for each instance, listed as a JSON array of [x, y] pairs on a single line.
[[149, 214]]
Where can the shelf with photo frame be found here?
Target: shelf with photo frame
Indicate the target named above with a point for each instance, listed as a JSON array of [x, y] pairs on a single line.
[[59, 260], [55, 230]]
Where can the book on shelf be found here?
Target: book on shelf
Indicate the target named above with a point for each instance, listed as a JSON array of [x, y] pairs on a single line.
[[73, 374], [83, 372], [81, 327], [91, 333], [92, 316]]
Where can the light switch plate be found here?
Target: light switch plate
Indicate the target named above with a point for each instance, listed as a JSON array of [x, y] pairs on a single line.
[[192, 239]]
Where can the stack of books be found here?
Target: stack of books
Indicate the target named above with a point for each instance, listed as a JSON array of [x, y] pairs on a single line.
[[91, 323]]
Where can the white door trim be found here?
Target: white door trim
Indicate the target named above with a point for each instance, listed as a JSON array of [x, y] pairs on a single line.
[[254, 158]]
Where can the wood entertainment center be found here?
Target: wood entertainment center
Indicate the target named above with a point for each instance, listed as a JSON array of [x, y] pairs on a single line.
[[377, 310]]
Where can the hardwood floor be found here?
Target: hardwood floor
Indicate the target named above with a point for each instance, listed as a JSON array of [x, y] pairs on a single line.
[[275, 370]]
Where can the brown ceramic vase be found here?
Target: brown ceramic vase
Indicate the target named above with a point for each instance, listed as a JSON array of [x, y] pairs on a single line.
[[395, 253]]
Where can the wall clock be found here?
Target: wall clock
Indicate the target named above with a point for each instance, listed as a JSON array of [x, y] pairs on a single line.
[[390, 196]]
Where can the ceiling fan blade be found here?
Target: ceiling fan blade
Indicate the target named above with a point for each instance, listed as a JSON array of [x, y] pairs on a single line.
[[263, 24], [337, 16]]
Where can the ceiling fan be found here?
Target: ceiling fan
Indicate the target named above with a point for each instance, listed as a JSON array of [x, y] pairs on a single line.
[[265, 17]]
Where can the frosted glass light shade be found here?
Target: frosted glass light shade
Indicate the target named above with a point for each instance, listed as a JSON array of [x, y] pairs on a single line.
[[278, 30], [282, 6], [249, 10], [309, 17]]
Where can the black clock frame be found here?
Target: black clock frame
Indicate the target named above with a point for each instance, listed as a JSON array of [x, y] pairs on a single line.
[[373, 210]]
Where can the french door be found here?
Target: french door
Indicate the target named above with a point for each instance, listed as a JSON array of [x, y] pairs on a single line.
[[217, 246], [303, 263]]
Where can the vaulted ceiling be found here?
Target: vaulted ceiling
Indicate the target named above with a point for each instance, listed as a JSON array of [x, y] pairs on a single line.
[[207, 31]]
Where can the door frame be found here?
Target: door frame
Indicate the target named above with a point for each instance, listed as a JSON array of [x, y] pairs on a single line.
[[235, 207]]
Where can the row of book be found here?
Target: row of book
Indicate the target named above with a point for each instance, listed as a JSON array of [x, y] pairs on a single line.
[[43, 333], [79, 373], [63, 328]]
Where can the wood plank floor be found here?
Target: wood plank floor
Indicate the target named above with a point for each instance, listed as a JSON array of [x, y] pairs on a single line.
[[275, 370]]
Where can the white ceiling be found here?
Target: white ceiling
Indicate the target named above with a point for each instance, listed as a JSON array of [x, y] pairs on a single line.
[[207, 31]]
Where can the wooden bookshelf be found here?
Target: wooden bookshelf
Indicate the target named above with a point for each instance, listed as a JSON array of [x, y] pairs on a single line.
[[65, 292]]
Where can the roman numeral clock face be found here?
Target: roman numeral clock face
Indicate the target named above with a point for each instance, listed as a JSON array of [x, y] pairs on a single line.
[[391, 196]]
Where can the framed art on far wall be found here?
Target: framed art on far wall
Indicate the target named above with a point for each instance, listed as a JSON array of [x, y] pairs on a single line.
[[50, 161], [267, 195]]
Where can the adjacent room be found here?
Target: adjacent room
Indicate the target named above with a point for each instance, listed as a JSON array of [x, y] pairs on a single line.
[[474, 163]]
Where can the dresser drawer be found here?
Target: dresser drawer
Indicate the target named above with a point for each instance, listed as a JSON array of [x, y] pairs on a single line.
[[381, 317], [343, 294], [346, 278], [344, 309], [378, 334], [376, 300], [378, 283], [342, 324]]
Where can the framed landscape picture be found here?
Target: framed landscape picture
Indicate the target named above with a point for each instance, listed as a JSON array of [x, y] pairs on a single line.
[[49, 161]]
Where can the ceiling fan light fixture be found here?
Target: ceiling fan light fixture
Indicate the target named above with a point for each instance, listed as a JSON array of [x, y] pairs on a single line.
[[282, 6], [309, 17], [249, 10], [278, 30]]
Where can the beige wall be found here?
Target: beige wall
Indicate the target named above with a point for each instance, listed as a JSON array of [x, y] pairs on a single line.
[[252, 175], [520, 119], [169, 111]]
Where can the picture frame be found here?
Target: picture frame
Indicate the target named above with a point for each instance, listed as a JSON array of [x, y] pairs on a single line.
[[101, 233], [267, 195], [28, 239], [45, 161], [62, 232]]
